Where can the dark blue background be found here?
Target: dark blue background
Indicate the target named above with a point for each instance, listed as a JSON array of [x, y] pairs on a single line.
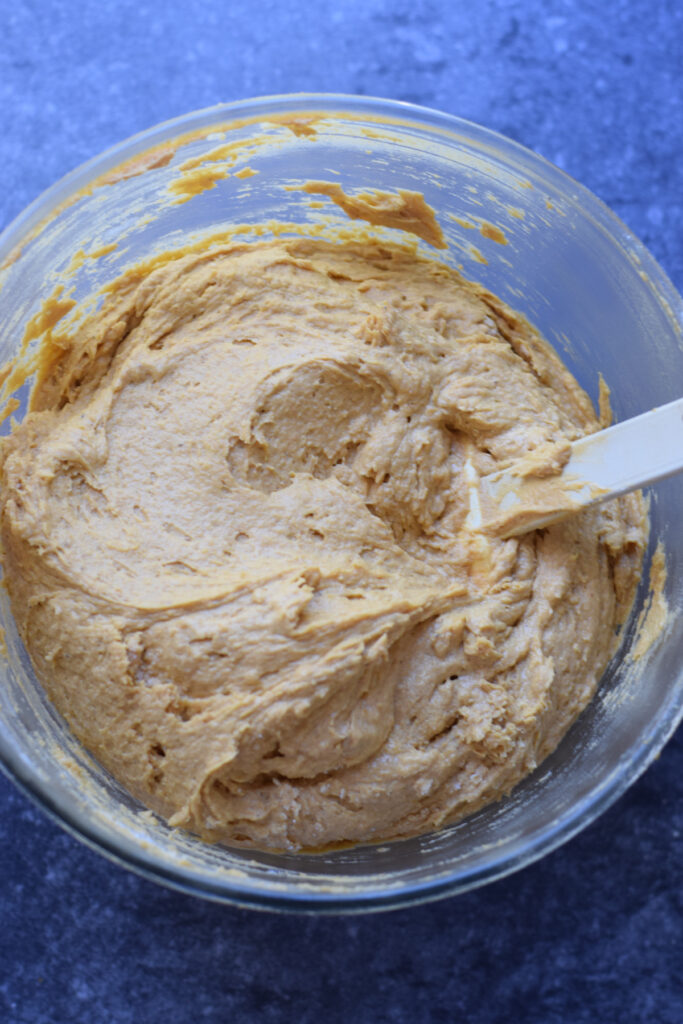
[[595, 931]]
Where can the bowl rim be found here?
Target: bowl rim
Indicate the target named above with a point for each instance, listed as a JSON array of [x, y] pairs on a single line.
[[374, 897]]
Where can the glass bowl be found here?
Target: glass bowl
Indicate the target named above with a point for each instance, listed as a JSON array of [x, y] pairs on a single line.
[[567, 263]]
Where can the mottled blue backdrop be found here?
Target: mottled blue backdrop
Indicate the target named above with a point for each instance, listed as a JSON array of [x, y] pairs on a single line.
[[595, 931]]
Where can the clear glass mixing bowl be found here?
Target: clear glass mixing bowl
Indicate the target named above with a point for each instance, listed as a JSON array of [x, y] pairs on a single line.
[[569, 264]]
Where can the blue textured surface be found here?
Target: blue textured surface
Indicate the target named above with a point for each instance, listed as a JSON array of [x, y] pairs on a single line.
[[594, 932]]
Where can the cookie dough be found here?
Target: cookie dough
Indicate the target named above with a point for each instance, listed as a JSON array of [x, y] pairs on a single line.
[[235, 540]]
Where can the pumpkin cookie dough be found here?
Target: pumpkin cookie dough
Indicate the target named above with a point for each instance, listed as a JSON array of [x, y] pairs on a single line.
[[235, 540]]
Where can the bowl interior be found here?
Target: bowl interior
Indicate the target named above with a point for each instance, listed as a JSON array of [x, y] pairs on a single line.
[[556, 254]]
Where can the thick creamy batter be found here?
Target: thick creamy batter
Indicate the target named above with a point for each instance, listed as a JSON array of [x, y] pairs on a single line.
[[235, 543]]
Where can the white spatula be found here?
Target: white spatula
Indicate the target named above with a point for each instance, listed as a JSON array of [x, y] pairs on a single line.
[[601, 466]]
